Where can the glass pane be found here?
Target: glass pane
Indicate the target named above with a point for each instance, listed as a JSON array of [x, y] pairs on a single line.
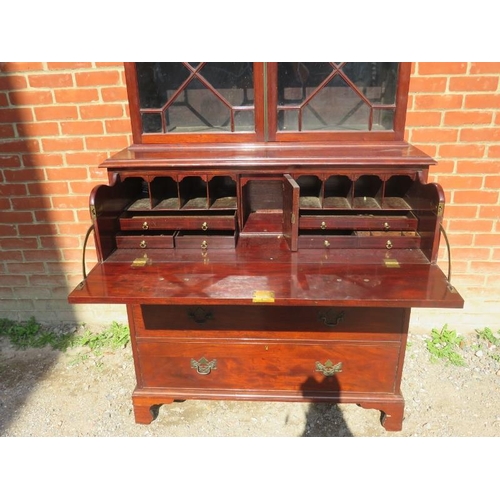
[[376, 80], [155, 80], [244, 121], [288, 120], [231, 80], [295, 78], [383, 119], [151, 123], [336, 107], [197, 109]]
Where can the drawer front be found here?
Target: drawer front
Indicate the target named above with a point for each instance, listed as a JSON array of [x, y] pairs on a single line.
[[388, 239], [188, 222], [327, 240], [263, 321], [300, 368], [369, 222], [144, 241], [205, 240]]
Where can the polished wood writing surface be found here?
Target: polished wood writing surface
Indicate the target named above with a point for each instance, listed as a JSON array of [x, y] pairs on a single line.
[[226, 277]]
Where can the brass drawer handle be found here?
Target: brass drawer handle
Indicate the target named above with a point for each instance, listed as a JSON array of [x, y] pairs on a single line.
[[328, 369], [145, 225], [143, 244], [326, 244], [204, 245], [200, 315], [331, 318], [387, 226], [388, 245], [203, 366], [323, 225], [204, 226]]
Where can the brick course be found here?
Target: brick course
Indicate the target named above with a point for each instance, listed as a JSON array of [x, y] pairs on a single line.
[[58, 121]]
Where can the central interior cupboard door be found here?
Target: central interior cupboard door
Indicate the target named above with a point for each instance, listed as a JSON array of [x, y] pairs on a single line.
[[291, 192]]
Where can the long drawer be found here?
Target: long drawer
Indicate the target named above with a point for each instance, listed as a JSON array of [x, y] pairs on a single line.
[[258, 320], [322, 367]]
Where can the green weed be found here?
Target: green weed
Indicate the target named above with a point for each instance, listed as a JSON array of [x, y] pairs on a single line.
[[443, 345], [489, 336], [31, 334], [487, 339], [26, 334], [115, 336]]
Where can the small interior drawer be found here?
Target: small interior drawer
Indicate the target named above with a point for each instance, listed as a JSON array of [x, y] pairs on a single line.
[[327, 239], [205, 240], [372, 222], [164, 239], [388, 239], [188, 221]]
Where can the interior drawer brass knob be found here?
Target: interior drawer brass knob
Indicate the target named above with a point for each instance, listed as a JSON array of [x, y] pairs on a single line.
[[323, 225], [327, 244], [145, 225], [143, 244], [204, 226], [388, 245], [387, 226], [204, 245]]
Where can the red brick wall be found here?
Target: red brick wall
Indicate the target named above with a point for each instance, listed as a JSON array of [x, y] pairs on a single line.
[[58, 121], [454, 115]]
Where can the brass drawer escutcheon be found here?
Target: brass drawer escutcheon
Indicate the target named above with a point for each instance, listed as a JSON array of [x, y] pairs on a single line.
[[203, 366], [328, 369]]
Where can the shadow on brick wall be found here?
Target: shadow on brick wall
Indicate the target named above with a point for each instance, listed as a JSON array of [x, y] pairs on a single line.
[[33, 276]]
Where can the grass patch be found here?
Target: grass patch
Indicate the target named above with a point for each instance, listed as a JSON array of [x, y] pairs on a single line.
[[444, 345], [488, 341], [31, 334], [115, 336]]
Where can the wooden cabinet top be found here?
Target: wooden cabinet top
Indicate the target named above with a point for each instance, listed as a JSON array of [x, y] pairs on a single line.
[[271, 154]]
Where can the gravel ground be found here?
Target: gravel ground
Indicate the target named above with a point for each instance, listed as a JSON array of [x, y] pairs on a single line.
[[53, 394], [44, 393]]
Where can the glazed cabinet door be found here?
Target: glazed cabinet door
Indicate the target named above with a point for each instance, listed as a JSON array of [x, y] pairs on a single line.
[[172, 102]]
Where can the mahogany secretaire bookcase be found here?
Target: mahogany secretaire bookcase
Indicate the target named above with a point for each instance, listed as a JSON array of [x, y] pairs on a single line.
[[269, 231]]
